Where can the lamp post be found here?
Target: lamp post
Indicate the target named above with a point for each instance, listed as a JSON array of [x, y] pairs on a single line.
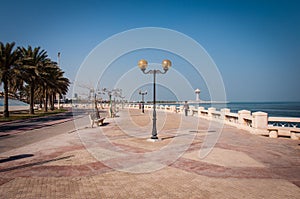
[[105, 90], [143, 93], [58, 63], [96, 102], [122, 101], [116, 93], [166, 64]]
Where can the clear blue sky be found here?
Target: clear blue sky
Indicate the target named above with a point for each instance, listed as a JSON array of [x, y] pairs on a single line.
[[255, 44]]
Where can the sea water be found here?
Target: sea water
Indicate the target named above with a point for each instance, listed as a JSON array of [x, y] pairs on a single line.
[[275, 109], [12, 102]]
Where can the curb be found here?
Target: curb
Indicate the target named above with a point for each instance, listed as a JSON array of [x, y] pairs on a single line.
[[28, 119]]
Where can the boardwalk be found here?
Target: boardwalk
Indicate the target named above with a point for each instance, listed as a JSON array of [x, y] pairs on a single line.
[[117, 161]]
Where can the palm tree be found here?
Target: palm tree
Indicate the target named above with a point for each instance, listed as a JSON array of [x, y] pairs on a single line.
[[60, 84], [8, 59], [32, 60], [50, 82], [46, 80]]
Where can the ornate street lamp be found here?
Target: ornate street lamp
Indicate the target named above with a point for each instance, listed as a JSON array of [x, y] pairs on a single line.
[[143, 93], [166, 64]]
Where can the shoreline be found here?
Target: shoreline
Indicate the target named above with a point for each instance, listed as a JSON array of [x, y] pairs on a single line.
[[15, 108], [276, 109]]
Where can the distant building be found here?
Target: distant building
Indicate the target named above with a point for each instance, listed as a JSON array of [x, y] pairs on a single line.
[[197, 92]]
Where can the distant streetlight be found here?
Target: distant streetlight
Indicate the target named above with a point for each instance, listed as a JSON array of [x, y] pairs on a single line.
[[143, 93], [122, 101], [58, 63], [116, 93], [166, 64], [109, 92]]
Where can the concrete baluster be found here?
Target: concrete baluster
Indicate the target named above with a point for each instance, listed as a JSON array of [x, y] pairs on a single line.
[[173, 109], [260, 123], [210, 111], [243, 114], [224, 111], [181, 110], [199, 110], [191, 108]]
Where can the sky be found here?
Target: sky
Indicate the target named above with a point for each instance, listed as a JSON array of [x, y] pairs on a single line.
[[255, 45]]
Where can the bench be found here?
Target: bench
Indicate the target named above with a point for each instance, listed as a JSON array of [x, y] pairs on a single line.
[[95, 120]]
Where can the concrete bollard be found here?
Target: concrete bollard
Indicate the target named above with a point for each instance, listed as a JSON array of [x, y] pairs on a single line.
[[191, 108], [181, 110], [210, 111], [273, 134], [167, 108], [224, 111], [260, 120], [243, 114], [200, 108], [295, 136], [173, 109]]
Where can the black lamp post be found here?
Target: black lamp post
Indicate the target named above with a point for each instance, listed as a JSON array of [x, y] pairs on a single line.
[[109, 93], [143, 93], [115, 93], [166, 64], [122, 101]]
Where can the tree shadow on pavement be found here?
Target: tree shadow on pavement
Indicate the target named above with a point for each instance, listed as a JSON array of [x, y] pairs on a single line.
[[34, 164], [15, 157]]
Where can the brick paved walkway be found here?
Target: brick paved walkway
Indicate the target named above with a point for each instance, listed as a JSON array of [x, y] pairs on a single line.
[[117, 161]]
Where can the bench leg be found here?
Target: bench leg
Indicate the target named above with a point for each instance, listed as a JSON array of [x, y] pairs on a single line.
[[97, 122], [92, 123]]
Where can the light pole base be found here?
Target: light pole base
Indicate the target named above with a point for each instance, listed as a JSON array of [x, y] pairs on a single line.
[[154, 140]]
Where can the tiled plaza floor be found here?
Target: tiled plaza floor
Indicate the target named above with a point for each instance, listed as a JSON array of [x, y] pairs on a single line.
[[117, 161]]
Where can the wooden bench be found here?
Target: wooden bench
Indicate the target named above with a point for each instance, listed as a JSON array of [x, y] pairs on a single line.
[[95, 120]]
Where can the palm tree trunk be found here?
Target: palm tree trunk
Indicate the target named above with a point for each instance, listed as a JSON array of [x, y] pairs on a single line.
[[46, 101], [51, 97], [41, 102], [5, 87], [31, 108]]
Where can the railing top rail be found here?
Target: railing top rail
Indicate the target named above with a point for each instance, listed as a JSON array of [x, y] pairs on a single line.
[[293, 129], [284, 119], [231, 115], [248, 118]]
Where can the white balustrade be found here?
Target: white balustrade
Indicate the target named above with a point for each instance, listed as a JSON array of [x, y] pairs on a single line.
[[257, 122]]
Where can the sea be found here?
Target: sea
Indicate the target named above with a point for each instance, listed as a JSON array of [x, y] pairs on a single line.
[[274, 109], [12, 102]]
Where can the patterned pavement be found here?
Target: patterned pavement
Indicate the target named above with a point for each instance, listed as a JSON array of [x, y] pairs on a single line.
[[117, 161]]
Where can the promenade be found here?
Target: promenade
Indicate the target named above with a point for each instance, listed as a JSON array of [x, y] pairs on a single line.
[[117, 161]]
